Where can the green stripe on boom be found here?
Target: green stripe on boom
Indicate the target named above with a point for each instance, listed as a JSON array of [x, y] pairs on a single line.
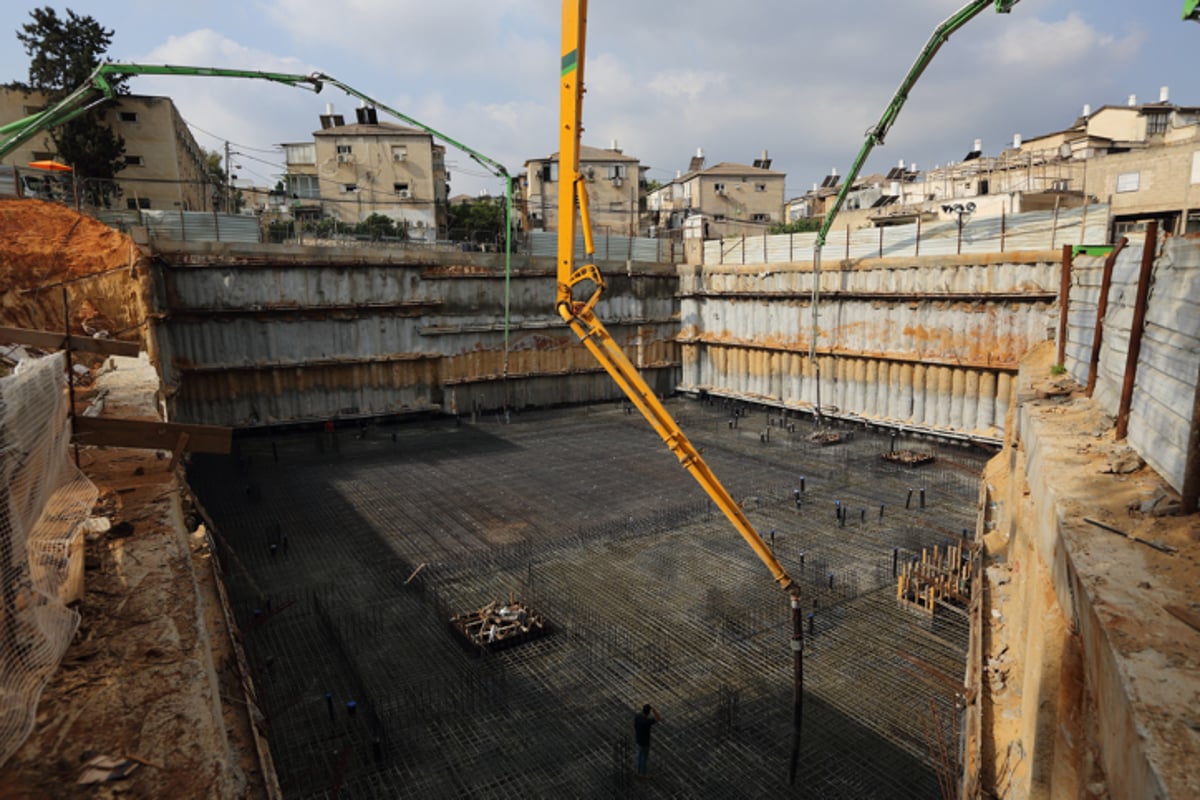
[[570, 61]]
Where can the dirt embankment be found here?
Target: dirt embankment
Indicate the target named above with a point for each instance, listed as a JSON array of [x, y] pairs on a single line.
[[45, 248]]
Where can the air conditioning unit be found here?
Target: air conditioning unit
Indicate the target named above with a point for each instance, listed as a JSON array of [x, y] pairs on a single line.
[[404, 194], [720, 191], [617, 181], [345, 158]]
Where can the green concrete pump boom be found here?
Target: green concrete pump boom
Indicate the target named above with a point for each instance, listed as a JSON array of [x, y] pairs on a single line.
[[99, 88], [876, 135]]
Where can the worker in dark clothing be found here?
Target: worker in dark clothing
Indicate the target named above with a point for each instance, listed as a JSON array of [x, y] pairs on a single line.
[[641, 734]]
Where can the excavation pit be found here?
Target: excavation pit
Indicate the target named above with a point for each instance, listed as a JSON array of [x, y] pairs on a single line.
[[584, 515]]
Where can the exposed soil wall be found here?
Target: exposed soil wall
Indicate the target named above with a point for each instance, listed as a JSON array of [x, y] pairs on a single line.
[[46, 247], [1089, 679]]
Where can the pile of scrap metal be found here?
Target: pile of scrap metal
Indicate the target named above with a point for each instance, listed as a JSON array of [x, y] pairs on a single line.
[[826, 438], [499, 625], [909, 457]]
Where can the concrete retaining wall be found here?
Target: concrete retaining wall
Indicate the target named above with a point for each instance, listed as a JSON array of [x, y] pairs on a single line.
[[262, 335], [930, 343]]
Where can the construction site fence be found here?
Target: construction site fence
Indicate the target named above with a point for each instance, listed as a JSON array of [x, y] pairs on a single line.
[[1037, 230], [1165, 380], [44, 501]]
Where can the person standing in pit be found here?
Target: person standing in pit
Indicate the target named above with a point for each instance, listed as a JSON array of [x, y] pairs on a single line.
[[641, 733]]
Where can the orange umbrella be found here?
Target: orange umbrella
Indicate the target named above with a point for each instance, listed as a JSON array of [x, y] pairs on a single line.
[[52, 166]]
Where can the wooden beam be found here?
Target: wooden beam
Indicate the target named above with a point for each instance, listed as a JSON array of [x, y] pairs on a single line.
[[150, 434], [56, 341]]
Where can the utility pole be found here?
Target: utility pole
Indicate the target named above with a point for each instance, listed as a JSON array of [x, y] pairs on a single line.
[[228, 182]]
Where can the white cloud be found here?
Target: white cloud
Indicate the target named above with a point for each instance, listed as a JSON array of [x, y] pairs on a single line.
[[1035, 44]]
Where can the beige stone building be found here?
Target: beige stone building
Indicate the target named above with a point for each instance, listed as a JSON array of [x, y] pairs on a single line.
[[1143, 159], [614, 185], [349, 172], [164, 167], [726, 199]]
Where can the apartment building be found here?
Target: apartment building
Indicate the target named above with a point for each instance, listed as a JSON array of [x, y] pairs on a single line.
[[164, 167], [615, 187], [727, 199], [1142, 159], [351, 171]]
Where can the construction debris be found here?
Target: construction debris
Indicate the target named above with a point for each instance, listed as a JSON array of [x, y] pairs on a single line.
[[500, 625], [826, 438], [910, 458], [941, 576]]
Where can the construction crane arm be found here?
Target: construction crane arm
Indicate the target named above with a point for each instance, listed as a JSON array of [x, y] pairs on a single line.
[[579, 312], [99, 88], [879, 131]]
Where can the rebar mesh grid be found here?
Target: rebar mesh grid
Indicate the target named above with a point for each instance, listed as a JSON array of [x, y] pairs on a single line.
[[654, 598]]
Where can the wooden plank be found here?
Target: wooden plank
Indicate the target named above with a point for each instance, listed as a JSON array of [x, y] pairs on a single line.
[[1184, 615], [180, 446], [55, 341], [150, 434]]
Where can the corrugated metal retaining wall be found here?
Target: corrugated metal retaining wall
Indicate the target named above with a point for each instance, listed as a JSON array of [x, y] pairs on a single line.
[[268, 334], [187, 226], [1169, 363], [931, 343], [1035, 230]]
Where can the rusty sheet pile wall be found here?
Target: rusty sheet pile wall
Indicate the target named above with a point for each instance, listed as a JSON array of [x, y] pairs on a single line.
[[931, 343], [1167, 372], [267, 334]]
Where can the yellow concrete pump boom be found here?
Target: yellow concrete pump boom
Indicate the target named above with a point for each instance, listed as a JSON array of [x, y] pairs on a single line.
[[580, 313]]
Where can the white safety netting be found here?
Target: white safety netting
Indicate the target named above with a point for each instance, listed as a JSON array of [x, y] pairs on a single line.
[[44, 498]]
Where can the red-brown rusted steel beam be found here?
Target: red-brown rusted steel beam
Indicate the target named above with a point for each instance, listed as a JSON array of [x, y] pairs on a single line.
[[1190, 493], [1135, 329], [1101, 310], [1064, 297]]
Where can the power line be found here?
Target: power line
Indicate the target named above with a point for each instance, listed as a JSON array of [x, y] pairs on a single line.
[[274, 151]]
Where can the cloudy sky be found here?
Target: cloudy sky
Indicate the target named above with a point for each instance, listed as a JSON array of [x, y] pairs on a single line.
[[801, 79]]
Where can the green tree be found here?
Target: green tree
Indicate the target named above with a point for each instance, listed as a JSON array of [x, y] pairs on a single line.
[[479, 220], [62, 55], [796, 226], [218, 182]]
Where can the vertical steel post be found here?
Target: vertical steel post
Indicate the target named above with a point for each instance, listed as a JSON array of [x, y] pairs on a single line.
[[1135, 329], [1101, 310], [797, 685], [1190, 492], [1064, 297]]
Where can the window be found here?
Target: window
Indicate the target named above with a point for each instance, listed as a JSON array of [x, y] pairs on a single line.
[[344, 149], [134, 161], [718, 217], [760, 217], [303, 187], [760, 187], [616, 171], [300, 153], [348, 188], [31, 110], [43, 155], [399, 152], [402, 190], [344, 154], [719, 188], [616, 205], [1156, 124], [549, 172], [1128, 182], [134, 203], [127, 116]]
